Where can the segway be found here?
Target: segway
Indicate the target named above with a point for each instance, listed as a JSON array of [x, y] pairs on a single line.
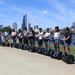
[[39, 50], [31, 49], [19, 46], [69, 59], [46, 52], [54, 54], [25, 47]]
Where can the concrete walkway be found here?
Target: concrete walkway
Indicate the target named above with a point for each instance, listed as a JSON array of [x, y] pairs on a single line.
[[18, 62]]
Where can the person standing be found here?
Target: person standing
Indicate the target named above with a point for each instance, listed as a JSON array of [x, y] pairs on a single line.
[[56, 38], [68, 39], [25, 36], [40, 38], [13, 35], [32, 37], [46, 39]]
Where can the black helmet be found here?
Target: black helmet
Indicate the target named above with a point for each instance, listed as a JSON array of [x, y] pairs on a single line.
[[40, 29], [57, 29], [30, 28], [47, 29], [67, 28]]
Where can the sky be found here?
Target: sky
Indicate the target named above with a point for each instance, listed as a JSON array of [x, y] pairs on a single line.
[[45, 13]]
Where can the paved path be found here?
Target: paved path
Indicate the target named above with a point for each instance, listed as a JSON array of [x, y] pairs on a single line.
[[17, 62]]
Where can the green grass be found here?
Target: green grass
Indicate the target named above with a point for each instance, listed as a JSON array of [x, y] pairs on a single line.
[[72, 49], [61, 48]]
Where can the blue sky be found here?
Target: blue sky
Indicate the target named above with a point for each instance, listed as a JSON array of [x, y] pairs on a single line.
[[45, 13]]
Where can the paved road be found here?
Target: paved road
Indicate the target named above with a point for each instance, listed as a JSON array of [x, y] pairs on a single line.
[[17, 62]]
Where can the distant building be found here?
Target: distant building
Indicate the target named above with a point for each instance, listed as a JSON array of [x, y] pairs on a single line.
[[50, 29], [1, 26], [36, 27], [14, 26], [73, 27], [24, 23], [29, 25]]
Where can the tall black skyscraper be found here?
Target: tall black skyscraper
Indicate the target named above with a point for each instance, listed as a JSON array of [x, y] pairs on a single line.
[[24, 23]]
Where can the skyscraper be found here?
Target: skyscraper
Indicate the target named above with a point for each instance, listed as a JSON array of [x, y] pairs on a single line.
[[14, 25], [36, 27], [29, 25], [24, 23], [73, 25], [1, 26]]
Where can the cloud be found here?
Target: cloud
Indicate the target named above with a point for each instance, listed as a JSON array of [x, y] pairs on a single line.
[[2, 3], [72, 1], [61, 12], [45, 12], [57, 13], [3, 15]]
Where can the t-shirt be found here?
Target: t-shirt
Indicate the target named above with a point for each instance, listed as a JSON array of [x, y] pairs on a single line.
[[56, 35], [47, 34], [25, 33], [68, 35], [13, 34], [20, 35], [40, 35]]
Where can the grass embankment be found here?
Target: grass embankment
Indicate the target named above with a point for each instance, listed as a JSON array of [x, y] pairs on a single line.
[[62, 48]]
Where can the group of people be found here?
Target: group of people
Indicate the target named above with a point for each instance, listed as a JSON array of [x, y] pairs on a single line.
[[29, 37]]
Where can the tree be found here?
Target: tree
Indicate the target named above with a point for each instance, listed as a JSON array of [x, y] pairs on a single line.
[[7, 29]]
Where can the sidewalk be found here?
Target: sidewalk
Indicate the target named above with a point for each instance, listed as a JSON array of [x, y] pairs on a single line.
[[18, 62]]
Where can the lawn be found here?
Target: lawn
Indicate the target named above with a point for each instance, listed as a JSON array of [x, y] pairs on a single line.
[[62, 48]]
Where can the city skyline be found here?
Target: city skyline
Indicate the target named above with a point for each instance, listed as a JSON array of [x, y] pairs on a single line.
[[45, 13]]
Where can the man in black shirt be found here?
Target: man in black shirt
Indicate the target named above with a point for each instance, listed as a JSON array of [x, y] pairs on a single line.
[[67, 38]]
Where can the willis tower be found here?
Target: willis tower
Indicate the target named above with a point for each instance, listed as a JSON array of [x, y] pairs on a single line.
[[24, 23]]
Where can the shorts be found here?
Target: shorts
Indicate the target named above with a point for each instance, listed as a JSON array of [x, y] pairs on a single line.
[[40, 42], [25, 40], [68, 43], [32, 41], [20, 40], [46, 39], [14, 38], [0, 41], [56, 40]]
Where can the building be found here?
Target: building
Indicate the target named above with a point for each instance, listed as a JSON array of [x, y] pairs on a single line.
[[24, 22], [73, 25], [29, 25], [14, 26], [36, 27], [1, 26]]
